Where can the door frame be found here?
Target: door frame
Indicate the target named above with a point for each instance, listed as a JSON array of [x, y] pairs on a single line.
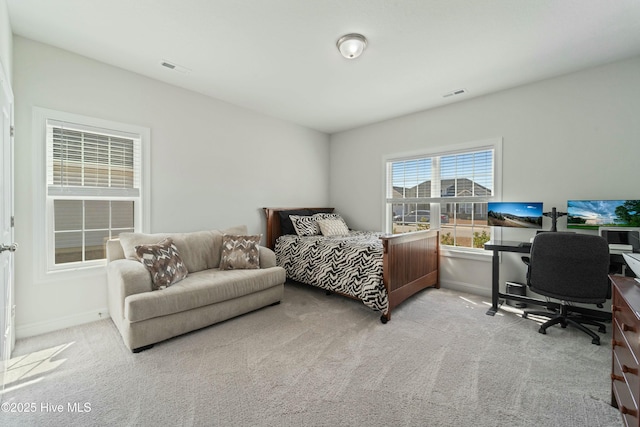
[[7, 298]]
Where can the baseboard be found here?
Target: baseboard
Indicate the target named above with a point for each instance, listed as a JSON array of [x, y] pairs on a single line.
[[38, 328], [469, 288]]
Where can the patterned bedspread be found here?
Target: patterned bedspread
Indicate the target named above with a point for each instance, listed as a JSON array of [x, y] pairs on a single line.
[[349, 264]]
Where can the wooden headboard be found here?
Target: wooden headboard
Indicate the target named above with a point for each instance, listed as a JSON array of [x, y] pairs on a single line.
[[273, 222]]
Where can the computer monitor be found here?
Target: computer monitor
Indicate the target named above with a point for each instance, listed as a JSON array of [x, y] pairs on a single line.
[[621, 239], [593, 214], [515, 214]]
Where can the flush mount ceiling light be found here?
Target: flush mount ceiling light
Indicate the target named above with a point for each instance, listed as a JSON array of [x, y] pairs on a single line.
[[351, 45]]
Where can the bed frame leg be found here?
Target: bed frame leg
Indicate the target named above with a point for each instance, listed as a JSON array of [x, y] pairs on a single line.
[[143, 348]]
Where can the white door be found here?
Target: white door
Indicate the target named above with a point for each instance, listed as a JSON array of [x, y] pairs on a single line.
[[7, 246]]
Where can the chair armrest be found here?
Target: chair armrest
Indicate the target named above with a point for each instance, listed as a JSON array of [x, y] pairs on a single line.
[[267, 258], [125, 277], [527, 261]]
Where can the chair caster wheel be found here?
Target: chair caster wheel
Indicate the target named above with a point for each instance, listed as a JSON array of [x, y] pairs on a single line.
[[384, 319], [602, 330], [542, 331], [595, 341], [525, 315]]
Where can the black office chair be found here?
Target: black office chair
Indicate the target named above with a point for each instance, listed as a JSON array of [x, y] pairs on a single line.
[[570, 267]]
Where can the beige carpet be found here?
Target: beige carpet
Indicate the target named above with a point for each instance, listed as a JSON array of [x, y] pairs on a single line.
[[318, 360]]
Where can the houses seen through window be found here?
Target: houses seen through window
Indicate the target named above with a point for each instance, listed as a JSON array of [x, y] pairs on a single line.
[[448, 191]]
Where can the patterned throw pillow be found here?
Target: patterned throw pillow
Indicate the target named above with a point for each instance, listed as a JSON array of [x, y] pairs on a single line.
[[333, 227], [326, 215], [240, 252], [332, 216], [305, 225], [286, 226], [163, 262]]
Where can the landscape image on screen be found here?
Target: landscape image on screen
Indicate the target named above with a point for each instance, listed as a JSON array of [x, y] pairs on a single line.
[[592, 214], [515, 214]]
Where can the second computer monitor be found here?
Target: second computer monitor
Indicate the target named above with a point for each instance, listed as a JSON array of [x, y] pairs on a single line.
[[593, 214], [515, 214]]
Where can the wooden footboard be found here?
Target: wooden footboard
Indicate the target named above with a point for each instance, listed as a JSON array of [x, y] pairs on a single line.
[[410, 264]]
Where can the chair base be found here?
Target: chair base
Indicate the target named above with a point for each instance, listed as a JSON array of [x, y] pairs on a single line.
[[564, 319]]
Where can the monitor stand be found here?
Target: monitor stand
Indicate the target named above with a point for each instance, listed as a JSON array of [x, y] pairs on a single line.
[[554, 215]]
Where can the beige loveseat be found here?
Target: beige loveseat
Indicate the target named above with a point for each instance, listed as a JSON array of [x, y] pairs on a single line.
[[207, 294]]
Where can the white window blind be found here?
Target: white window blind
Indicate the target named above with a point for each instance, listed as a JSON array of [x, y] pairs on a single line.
[[93, 189], [445, 190], [411, 178], [84, 161], [467, 175], [460, 176]]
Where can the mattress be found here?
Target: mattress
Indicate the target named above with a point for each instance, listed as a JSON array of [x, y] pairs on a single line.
[[349, 264]]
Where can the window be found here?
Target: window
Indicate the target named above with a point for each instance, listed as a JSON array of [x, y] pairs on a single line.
[[95, 186], [448, 190]]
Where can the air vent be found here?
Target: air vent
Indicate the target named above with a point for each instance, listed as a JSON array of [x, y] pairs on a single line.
[[455, 93], [175, 67]]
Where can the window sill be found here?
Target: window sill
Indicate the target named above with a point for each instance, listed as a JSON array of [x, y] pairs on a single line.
[[54, 276], [466, 253]]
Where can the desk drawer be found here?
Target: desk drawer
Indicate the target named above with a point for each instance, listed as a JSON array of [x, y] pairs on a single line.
[[627, 363], [628, 323], [624, 396]]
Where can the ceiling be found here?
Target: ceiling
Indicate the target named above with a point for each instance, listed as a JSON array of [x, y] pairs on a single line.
[[279, 57]]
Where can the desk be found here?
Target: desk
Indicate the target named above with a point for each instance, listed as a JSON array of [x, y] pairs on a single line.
[[498, 246]]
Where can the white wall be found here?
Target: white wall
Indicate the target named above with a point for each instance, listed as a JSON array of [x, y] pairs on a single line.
[[213, 165], [571, 137]]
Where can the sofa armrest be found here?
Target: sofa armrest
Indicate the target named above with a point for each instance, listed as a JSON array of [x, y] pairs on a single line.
[[125, 277], [267, 257], [114, 250]]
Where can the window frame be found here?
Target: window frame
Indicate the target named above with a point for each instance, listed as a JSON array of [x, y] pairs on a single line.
[[493, 143], [44, 213]]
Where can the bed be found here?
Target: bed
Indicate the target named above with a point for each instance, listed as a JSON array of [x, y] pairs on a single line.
[[381, 270]]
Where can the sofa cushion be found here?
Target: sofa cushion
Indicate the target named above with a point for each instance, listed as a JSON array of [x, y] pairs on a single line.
[[200, 250], [201, 289], [129, 241], [163, 262]]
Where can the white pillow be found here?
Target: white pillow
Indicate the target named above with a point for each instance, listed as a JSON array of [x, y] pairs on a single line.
[[333, 227]]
